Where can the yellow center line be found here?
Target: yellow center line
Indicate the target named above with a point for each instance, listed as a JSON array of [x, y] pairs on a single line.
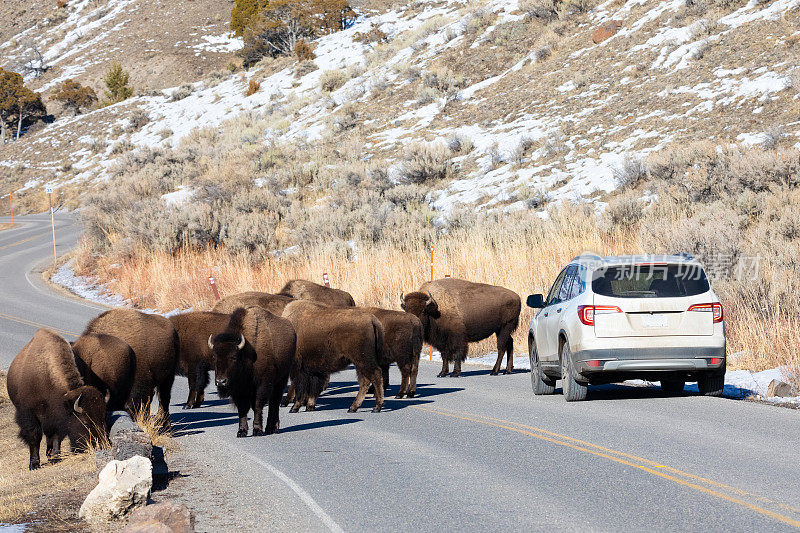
[[37, 324], [606, 453], [19, 242]]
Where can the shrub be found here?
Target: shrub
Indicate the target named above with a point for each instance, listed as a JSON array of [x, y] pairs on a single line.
[[74, 96], [373, 36], [544, 10], [137, 120], [631, 173], [427, 162], [62, 4], [252, 88], [304, 51], [305, 67], [332, 80], [347, 118], [624, 211], [459, 144], [181, 92]]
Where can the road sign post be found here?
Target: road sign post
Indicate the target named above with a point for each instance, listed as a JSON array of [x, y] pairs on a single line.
[[49, 191], [325, 279], [213, 287]]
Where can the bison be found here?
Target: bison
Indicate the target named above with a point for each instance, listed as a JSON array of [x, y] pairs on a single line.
[[402, 344], [274, 303], [301, 289], [107, 363], [328, 340], [195, 357], [455, 312], [254, 356], [51, 398], [155, 345]]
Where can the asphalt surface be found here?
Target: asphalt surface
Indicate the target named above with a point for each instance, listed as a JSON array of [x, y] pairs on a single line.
[[478, 452]]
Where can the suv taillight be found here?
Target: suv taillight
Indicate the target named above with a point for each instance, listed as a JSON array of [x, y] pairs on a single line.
[[715, 308], [586, 313]]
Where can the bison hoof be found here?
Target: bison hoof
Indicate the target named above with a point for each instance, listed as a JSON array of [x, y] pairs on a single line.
[[455, 375], [241, 433], [493, 373], [33, 466], [311, 407], [377, 409], [441, 374], [294, 409], [411, 394], [186, 406], [285, 403], [352, 409], [257, 432], [399, 396], [507, 371]]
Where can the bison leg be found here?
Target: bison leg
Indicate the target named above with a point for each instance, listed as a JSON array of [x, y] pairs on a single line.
[[191, 375], [404, 371], [289, 396], [53, 447], [164, 394], [445, 366], [510, 355], [412, 388], [385, 372], [505, 345], [243, 409], [311, 402], [273, 411], [30, 431], [459, 353], [201, 383], [363, 385]]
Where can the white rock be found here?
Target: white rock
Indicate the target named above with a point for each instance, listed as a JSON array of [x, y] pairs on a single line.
[[123, 486]]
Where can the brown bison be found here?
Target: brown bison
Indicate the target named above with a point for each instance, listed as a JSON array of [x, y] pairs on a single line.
[[195, 357], [455, 312], [328, 340], [107, 363], [301, 289], [155, 344], [51, 398], [274, 303], [254, 356], [402, 344]]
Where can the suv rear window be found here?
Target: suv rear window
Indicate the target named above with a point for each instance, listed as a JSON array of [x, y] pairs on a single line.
[[650, 281]]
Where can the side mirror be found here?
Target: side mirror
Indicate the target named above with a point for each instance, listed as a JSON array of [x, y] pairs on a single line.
[[535, 301]]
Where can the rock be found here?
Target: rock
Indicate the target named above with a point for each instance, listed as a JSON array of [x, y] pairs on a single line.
[[130, 443], [605, 31], [168, 516], [780, 389], [123, 486]]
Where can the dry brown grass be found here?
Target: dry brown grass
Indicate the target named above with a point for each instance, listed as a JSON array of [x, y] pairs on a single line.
[[151, 424], [6, 225], [50, 494]]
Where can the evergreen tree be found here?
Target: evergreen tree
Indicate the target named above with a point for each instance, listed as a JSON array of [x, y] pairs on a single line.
[[116, 81]]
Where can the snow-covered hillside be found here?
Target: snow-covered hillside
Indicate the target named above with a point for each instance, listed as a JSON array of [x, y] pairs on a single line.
[[546, 110]]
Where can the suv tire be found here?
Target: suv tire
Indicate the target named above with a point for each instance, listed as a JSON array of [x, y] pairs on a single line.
[[573, 390], [673, 386], [711, 384], [540, 383]]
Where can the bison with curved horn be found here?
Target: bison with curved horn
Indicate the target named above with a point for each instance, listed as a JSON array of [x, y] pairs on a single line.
[[301, 289], [330, 339], [195, 357], [455, 312], [254, 356], [274, 303], [51, 398], [155, 346], [107, 363]]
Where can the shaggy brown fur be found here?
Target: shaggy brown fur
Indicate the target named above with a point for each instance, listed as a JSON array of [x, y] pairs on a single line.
[[254, 356], [155, 345], [51, 399], [402, 344], [455, 312], [301, 289], [328, 340], [274, 303], [107, 363], [195, 357]]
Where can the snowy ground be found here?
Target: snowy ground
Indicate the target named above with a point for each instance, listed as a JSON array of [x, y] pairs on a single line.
[[739, 384]]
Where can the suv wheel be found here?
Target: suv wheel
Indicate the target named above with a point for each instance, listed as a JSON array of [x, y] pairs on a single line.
[[574, 391], [711, 384], [673, 386], [540, 383]]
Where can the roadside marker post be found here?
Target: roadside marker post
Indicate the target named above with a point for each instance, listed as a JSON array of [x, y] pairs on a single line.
[[49, 191], [325, 279], [11, 206], [213, 287], [430, 348]]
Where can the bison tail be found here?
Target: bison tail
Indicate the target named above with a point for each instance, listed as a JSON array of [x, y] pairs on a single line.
[[378, 330], [309, 384]]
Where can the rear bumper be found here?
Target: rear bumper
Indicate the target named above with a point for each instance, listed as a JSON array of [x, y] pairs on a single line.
[[648, 362]]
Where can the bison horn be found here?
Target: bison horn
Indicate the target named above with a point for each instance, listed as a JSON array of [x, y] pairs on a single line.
[[241, 342], [108, 396], [430, 299], [211, 341], [76, 406], [402, 296]]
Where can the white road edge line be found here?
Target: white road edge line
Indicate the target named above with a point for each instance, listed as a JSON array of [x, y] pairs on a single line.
[[324, 517]]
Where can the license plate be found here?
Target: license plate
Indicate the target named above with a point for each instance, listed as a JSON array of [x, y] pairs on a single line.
[[654, 321]]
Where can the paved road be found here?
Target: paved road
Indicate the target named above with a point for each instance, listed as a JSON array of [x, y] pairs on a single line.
[[475, 453]]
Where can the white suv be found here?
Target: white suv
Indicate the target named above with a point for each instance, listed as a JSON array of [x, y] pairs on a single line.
[[608, 319]]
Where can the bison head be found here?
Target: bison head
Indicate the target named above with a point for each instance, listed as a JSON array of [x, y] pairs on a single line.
[[88, 421], [230, 350], [420, 304]]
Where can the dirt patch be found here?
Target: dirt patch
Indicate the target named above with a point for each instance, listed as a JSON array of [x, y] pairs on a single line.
[[7, 225], [46, 499]]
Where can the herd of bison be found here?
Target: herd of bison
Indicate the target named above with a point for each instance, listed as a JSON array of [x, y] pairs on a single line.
[[256, 343]]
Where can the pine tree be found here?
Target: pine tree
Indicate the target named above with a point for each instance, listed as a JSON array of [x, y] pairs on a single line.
[[116, 81], [75, 96]]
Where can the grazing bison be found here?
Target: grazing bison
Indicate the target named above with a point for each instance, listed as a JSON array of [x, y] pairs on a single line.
[[107, 363], [402, 344], [455, 312], [274, 303], [155, 345], [51, 398], [254, 356], [328, 340], [301, 289], [195, 357]]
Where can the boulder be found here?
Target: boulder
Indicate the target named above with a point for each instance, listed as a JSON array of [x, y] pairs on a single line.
[[124, 486], [168, 517], [780, 389], [605, 31]]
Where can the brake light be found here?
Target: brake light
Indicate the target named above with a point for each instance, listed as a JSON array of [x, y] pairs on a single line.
[[594, 363], [716, 360], [586, 313], [715, 308]]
